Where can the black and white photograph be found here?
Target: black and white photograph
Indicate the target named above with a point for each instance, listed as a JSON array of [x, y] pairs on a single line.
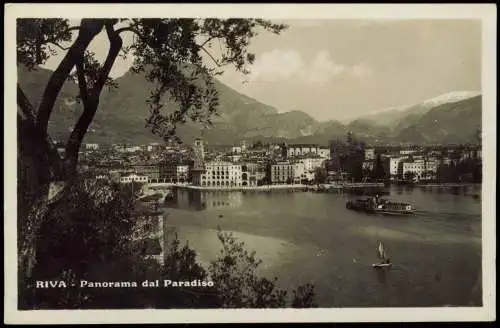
[[332, 159]]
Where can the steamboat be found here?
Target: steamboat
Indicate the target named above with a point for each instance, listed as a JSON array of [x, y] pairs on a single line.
[[380, 206]]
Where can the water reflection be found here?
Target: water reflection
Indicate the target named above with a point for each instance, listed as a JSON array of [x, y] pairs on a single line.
[[205, 200], [437, 252], [382, 275]]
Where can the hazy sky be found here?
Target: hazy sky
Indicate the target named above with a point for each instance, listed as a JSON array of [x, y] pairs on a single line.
[[338, 69]]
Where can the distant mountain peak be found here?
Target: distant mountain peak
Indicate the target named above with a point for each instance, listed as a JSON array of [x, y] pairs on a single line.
[[452, 96]]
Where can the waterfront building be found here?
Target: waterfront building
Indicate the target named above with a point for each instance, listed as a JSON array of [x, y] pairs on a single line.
[[251, 174], [149, 170], [417, 167], [430, 170], [134, 178], [168, 171], [281, 173], [182, 173], [198, 167], [312, 163], [220, 174], [299, 173], [421, 168], [395, 166]]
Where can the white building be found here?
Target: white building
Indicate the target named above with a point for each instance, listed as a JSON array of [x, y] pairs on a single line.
[[394, 165], [181, 173], [324, 153], [221, 174], [236, 150], [239, 149], [235, 158], [407, 151], [92, 146], [423, 169], [311, 163], [153, 147], [417, 167], [134, 178], [127, 149], [251, 174], [369, 154], [299, 172], [301, 150], [368, 165]]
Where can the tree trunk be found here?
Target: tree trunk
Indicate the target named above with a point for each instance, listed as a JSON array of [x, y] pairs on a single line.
[[41, 177]]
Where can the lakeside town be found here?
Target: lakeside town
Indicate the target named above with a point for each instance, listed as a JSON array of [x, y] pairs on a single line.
[[342, 165], [249, 166]]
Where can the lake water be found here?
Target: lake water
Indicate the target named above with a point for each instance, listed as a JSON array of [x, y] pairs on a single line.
[[305, 237]]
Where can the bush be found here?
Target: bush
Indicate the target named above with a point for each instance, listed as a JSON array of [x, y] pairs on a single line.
[[88, 237]]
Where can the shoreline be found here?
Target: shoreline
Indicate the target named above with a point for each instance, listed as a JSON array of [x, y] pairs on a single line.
[[448, 185], [302, 187], [246, 188]]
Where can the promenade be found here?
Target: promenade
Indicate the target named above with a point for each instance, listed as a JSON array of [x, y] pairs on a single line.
[[292, 187]]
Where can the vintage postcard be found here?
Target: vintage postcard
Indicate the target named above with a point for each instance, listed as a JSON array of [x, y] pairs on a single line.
[[249, 163]]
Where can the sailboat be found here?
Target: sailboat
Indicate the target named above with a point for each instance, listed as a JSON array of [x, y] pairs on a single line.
[[382, 255]]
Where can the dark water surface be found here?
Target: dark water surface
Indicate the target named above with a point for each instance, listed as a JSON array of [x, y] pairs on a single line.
[[305, 237]]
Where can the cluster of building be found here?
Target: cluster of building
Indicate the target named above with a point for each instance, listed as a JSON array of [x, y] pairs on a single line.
[[279, 164], [418, 162], [234, 166], [241, 165]]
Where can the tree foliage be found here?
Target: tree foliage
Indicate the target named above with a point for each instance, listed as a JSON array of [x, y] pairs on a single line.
[[168, 50], [97, 245], [410, 176], [378, 171], [320, 175], [467, 170]]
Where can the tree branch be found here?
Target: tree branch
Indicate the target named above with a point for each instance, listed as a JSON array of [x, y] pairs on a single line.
[[28, 128], [58, 45], [207, 41], [116, 43], [60, 35], [88, 30], [90, 101], [82, 83], [25, 105], [128, 29], [212, 57]]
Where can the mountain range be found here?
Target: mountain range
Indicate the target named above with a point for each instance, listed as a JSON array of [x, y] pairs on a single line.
[[451, 118]]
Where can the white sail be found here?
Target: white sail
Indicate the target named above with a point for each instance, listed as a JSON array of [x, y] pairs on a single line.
[[381, 251]]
